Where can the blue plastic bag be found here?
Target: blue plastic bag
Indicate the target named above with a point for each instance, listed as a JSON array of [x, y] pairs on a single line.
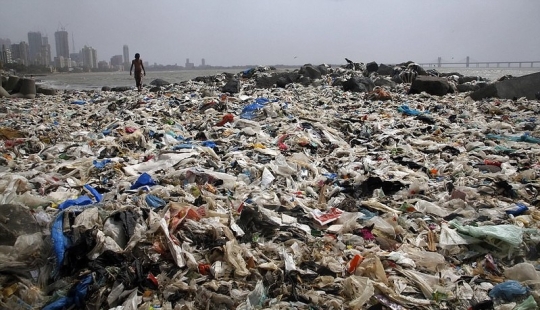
[[81, 201], [75, 296], [144, 179], [519, 210], [154, 201], [249, 111], [94, 192], [78, 102], [101, 164], [406, 110], [59, 241], [210, 144], [509, 291]]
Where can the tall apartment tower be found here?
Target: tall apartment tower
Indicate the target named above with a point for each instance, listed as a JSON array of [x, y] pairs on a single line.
[[45, 51], [34, 46], [126, 55], [89, 57], [62, 43]]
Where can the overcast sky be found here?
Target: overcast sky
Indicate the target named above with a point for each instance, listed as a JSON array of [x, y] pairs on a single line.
[[291, 32]]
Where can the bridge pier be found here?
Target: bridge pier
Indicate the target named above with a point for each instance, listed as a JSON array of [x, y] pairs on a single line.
[[520, 64], [532, 64], [498, 65]]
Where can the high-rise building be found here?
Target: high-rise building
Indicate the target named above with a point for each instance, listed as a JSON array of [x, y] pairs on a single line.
[[19, 53], [5, 54], [203, 62], [89, 57], [189, 65], [34, 46], [62, 43], [117, 62], [45, 52], [126, 55], [6, 42]]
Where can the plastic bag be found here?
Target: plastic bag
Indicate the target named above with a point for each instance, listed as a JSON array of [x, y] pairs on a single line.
[[144, 179], [510, 234], [521, 272], [508, 291], [359, 290], [528, 304]]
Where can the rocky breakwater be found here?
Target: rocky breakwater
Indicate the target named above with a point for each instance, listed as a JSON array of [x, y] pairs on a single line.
[[317, 188]]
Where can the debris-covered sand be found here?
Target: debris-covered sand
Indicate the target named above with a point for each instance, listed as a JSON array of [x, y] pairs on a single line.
[[304, 196]]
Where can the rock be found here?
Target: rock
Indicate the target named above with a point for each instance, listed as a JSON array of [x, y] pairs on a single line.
[[45, 91], [310, 71], [121, 88], [155, 89], [430, 84], [4, 80], [372, 67], [467, 87], [105, 88], [282, 82], [232, 86], [523, 86], [16, 221], [3, 92], [268, 81], [380, 81], [159, 82], [305, 81], [11, 83], [385, 70], [323, 69], [358, 84]]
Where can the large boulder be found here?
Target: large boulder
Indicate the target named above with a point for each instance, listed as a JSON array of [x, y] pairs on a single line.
[[372, 67], [45, 91], [310, 71], [430, 84], [268, 81], [380, 81], [18, 220], [524, 86], [232, 86], [323, 69], [159, 82], [385, 70], [358, 84], [466, 87]]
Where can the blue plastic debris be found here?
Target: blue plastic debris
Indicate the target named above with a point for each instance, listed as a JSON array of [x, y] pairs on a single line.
[[144, 179], [101, 164], [154, 201]]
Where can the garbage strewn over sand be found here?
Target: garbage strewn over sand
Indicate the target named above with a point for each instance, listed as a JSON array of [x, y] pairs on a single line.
[[271, 190]]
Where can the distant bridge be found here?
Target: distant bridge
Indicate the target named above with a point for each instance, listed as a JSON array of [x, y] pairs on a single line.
[[482, 64]]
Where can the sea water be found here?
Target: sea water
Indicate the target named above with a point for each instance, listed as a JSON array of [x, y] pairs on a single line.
[[96, 80]]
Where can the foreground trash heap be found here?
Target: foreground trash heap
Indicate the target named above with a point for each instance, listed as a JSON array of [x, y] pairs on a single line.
[[300, 197]]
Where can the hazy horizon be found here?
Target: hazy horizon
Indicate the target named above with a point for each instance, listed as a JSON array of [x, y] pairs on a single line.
[[287, 32]]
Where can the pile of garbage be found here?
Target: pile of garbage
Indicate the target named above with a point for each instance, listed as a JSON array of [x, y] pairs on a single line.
[[320, 188]]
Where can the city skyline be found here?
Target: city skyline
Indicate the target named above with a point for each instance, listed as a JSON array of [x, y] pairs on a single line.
[[289, 32], [62, 50]]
